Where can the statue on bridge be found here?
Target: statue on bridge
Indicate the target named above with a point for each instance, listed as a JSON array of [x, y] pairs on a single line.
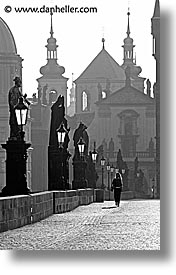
[[13, 97], [58, 157], [81, 132], [58, 117]]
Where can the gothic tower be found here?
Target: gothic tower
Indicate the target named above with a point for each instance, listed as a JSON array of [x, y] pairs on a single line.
[[156, 53], [52, 82]]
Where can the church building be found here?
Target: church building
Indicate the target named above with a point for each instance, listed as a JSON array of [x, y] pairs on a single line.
[[112, 101]]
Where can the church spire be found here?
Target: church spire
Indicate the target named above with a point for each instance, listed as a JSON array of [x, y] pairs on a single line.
[[128, 45], [51, 43], [51, 31], [156, 13], [128, 26], [103, 41]]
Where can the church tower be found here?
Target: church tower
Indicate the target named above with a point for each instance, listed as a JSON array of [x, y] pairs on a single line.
[[129, 59], [52, 82], [156, 53]]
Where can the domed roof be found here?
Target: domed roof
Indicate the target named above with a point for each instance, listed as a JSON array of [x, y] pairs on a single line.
[[52, 69], [128, 40], [7, 42]]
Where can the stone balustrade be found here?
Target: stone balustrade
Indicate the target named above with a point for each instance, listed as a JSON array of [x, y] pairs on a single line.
[[17, 211]]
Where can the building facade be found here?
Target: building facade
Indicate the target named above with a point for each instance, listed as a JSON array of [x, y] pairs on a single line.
[[119, 111]]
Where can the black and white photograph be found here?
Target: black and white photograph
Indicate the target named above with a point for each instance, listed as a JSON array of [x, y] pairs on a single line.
[[80, 116], [80, 126]]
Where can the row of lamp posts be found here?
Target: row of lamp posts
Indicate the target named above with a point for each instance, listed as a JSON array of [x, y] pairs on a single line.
[[21, 111], [110, 170]]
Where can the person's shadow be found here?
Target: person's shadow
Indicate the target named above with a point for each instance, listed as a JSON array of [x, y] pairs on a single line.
[[109, 207]]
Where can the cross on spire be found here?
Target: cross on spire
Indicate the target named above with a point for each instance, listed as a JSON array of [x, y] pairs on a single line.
[[103, 41]]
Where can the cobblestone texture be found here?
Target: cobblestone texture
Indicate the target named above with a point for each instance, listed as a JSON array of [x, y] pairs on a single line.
[[135, 225]]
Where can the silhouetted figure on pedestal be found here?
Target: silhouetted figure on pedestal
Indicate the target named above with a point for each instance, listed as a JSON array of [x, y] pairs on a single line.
[[57, 117], [58, 168], [81, 132], [13, 98], [111, 148]]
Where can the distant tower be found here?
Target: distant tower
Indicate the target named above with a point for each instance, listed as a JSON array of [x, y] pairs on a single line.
[[53, 81], [156, 53], [71, 107], [129, 59]]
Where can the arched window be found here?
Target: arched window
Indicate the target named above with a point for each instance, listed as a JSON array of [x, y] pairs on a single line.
[[52, 96], [85, 101]]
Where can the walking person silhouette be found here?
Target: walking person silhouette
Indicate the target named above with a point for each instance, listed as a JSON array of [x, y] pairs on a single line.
[[116, 186]]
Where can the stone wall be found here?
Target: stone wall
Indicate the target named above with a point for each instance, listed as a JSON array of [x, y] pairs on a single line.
[[20, 210]]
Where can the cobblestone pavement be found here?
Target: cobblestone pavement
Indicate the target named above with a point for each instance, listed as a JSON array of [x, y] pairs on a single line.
[[135, 225]]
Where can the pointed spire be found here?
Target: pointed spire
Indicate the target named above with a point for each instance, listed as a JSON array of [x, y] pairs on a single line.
[[51, 31], [156, 13], [128, 26]]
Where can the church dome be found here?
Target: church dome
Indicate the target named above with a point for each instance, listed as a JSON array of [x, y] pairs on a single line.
[[7, 42]]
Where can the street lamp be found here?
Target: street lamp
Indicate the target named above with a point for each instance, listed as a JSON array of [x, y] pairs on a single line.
[[61, 133], [108, 169], [123, 171], [94, 154], [21, 112], [81, 145], [16, 156], [102, 161], [153, 187]]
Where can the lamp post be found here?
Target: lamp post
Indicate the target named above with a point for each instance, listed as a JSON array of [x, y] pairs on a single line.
[[81, 145], [61, 133], [21, 112], [108, 169], [16, 156], [102, 167], [94, 154], [153, 188], [93, 171]]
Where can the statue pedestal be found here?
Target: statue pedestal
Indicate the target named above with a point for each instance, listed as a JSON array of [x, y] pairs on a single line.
[[79, 179], [58, 168], [16, 156]]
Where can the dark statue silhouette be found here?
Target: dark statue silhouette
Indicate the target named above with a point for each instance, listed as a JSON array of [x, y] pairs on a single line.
[[81, 132], [58, 117], [58, 166], [13, 98]]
